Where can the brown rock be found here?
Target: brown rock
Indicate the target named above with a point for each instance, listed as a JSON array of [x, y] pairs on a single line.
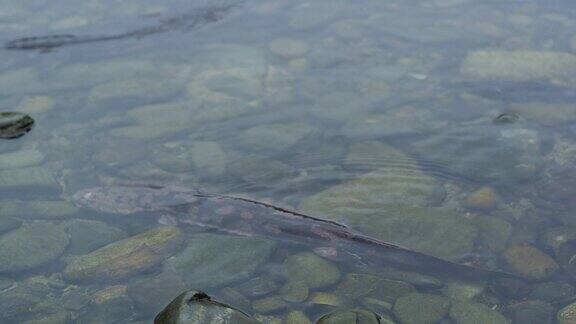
[[124, 258], [484, 198], [530, 262]]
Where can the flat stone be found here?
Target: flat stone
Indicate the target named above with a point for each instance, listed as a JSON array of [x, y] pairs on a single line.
[[471, 313], [519, 65], [21, 159], [124, 258], [311, 269], [39, 209], [89, 235], [213, 260], [31, 246], [356, 285], [29, 181], [419, 308], [530, 262]]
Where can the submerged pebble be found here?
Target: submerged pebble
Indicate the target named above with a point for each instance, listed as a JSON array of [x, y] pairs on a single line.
[[530, 262]]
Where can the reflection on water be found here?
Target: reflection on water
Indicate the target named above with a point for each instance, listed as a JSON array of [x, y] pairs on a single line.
[[445, 126]]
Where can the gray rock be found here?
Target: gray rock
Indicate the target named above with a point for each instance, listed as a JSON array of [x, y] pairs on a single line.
[[552, 291], [212, 260], [39, 209], [520, 65], [311, 269], [471, 313], [124, 258], [89, 235], [29, 181], [356, 285], [31, 246], [194, 307], [8, 223], [152, 293], [132, 92], [208, 159], [358, 316], [274, 137], [417, 308], [531, 312], [21, 159], [390, 184], [496, 153], [260, 171], [396, 122]]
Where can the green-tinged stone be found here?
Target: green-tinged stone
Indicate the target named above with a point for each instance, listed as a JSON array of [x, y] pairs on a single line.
[[39, 209], [8, 223], [88, 235], [435, 231], [312, 270], [31, 245], [356, 285], [260, 171], [124, 258], [108, 305], [297, 317], [145, 132], [19, 81], [531, 312], [462, 291], [21, 159], [530, 262], [326, 299], [208, 158], [472, 313], [134, 91], [494, 233], [268, 319], [552, 291], [371, 192], [29, 181], [28, 308], [567, 315], [418, 308], [195, 307], [152, 293], [520, 65], [234, 297], [295, 291], [212, 260], [273, 137], [269, 305], [414, 278], [377, 305], [358, 316], [257, 287]]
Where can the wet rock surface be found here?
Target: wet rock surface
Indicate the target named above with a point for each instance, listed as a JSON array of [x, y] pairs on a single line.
[[14, 124], [31, 246], [421, 308], [212, 260], [194, 307], [124, 258], [530, 262]]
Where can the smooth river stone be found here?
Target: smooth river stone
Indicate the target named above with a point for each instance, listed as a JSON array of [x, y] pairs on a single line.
[[125, 258], [530, 262], [211, 260], [31, 246], [518, 65]]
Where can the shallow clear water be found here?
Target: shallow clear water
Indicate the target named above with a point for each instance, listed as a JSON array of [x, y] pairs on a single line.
[[446, 127]]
